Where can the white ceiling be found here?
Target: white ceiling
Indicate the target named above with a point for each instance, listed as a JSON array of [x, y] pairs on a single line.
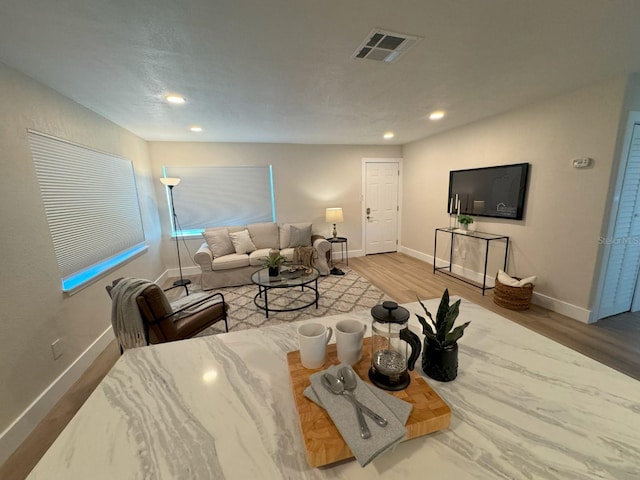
[[281, 70]]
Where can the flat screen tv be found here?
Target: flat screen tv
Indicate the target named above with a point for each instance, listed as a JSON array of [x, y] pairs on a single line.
[[489, 192]]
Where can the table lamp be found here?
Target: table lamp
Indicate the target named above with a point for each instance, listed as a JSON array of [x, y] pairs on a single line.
[[334, 215]]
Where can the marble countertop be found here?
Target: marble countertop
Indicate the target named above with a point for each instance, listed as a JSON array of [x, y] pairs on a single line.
[[221, 407]]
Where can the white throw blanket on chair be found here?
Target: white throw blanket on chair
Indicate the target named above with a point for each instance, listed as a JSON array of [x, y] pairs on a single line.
[[126, 320]]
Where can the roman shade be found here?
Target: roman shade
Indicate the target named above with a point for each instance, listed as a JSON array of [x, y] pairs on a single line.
[[216, 196], [91, 203]]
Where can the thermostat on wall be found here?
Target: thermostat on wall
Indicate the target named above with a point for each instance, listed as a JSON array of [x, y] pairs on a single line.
[[582, 162]]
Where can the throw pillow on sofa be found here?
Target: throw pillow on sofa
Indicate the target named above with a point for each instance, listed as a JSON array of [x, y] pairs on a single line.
[[300, 237], [242, 242], [264, 235], [219, 241], [285, 233]]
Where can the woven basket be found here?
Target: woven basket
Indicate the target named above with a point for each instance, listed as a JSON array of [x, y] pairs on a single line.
[[513, 298]]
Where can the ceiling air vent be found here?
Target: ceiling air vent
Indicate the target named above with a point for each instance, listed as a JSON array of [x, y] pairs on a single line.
[[384, 46]]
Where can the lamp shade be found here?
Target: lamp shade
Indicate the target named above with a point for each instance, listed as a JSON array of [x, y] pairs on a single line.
[[334, 215], [170, 181]]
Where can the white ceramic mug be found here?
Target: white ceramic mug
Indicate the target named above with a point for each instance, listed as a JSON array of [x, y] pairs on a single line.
[[313, 339], [349, 335]]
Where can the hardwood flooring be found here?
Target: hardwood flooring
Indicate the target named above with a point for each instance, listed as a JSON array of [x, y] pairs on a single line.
[[614, 341]]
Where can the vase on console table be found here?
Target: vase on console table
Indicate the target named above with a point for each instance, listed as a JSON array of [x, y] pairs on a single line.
[[440, 352]]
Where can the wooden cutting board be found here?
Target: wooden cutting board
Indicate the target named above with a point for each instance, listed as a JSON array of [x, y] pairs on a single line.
[[323, 443]]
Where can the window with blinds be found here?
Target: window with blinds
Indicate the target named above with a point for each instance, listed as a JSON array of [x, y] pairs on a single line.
[[215, 196], [91, 202]]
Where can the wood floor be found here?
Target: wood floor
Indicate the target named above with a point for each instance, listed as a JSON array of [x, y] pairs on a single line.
[[614, 342]]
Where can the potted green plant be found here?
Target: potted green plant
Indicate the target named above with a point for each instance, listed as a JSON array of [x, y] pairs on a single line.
[[440, 352], [273, 262], [465, 221]]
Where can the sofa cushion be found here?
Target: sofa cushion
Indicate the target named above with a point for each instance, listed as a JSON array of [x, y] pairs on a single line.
[[288, 253], [219, 241], [242, 242], [257, 257], [264, 235], [300, 237], [230, 261], [285, 233]]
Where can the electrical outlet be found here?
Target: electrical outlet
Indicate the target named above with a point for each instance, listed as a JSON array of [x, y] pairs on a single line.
[[463, 254], [56, 349]]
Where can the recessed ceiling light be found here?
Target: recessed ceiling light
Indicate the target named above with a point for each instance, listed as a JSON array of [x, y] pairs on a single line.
[[437, 115], [388, 135], [195, 129], [177, 99]]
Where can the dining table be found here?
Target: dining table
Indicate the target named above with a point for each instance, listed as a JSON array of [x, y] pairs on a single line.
[[221, 407]]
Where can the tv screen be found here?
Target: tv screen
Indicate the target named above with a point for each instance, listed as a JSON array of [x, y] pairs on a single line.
[[489, 192]]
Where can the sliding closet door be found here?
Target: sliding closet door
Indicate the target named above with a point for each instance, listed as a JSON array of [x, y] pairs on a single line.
[[623, 258]]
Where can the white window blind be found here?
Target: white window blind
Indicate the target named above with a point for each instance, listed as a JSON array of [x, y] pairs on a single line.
[[221, 196], [91, 203]]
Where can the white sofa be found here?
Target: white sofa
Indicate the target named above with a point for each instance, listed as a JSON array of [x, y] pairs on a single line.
[[226, 264]]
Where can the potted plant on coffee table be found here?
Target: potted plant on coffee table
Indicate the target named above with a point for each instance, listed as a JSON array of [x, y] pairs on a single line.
[[273, 262], [440, 352]]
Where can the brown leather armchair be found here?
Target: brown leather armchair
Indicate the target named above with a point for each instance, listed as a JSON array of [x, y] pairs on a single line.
[[163, 324]]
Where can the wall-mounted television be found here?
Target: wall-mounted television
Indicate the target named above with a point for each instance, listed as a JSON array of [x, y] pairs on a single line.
[[489, 192]]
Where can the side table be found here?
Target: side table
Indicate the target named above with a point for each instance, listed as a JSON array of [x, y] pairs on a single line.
[[344, 253]]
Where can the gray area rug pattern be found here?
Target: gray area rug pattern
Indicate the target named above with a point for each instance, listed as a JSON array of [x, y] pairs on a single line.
[[338, 294]]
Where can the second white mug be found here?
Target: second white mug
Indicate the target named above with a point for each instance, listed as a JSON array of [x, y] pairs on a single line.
[[349, 336]]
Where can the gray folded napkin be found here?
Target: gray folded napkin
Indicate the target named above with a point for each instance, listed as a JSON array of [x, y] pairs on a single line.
[[343, 414]]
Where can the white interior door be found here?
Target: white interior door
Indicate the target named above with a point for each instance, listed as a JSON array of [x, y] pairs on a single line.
[[381, 206], [623, 256]]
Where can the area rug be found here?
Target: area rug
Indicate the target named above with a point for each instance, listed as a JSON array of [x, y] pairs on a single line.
[[338, 294]]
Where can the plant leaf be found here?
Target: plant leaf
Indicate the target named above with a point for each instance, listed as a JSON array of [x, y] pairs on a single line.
[[426, 327], [442, 309], [451, 317], [431, 337], [425, 309], [447, 323], [453, 336]]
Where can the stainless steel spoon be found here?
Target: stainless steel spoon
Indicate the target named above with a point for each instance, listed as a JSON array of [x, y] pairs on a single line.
[[350, 382], [336, 387]]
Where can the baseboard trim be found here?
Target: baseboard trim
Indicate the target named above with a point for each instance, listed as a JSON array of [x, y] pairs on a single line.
[[457, 269], [19, 430], [174, 272], [555, 305], [567, 309]]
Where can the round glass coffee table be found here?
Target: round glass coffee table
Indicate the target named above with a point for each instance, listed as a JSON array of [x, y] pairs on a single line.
[[291, 276]]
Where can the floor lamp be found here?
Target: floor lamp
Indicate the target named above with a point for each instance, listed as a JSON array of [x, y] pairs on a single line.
[[172, 182]]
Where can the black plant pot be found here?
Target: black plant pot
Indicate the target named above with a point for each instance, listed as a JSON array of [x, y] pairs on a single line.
[[440, 363], [274, 271]]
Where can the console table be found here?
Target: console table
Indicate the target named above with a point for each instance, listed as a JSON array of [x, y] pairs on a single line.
[[480, 236]]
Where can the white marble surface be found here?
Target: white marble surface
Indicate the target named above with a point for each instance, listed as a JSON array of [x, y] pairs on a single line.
[[221, 407]]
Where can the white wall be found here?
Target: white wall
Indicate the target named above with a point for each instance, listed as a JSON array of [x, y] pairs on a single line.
[[558, 238], [34, 310], [307, 179]]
